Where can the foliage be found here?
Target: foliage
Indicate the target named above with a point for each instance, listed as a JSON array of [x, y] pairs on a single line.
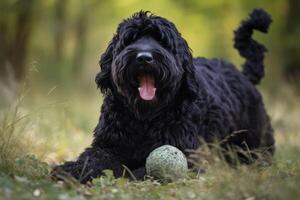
[[66, 38]]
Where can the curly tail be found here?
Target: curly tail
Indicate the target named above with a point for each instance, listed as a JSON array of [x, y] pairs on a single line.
[[248, 48]]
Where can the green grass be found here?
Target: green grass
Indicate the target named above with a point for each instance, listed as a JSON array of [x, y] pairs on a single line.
[[46, 129]]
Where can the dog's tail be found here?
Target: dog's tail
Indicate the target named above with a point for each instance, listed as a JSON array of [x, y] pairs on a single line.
[[248, 48]]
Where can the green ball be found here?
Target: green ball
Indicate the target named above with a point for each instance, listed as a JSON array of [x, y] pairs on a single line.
[[167, 163]]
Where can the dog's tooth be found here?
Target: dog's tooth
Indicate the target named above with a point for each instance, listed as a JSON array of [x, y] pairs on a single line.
[[139, 88]]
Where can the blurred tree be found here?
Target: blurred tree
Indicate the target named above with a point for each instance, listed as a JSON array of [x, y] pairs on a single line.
[[15, 31], [291, 45], [81, 26], [215, 12], [62, 42], [81, 29], [60, 28]]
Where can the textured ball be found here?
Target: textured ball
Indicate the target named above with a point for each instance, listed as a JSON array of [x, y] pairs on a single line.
[[167, 163]]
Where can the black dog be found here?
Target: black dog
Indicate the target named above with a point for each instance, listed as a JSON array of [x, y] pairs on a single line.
[[156, 93]]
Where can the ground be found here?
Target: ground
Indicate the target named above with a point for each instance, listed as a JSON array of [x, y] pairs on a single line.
[[48, 127]]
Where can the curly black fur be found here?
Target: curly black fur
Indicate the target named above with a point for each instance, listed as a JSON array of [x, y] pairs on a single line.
[[195, 99], [249, 48]]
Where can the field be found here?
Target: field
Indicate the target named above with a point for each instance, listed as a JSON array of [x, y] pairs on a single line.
[[48, 126]]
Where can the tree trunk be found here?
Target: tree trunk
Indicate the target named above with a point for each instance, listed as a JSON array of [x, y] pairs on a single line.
[[3, 47], [81, 33], [60, 28], [14, 43]]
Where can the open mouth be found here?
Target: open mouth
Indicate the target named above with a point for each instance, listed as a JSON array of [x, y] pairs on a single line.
[[147, 87]]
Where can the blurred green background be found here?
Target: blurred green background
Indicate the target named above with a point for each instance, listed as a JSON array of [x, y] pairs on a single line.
[[57, 43]]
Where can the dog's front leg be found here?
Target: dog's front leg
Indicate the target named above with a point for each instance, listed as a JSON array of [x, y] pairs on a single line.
[[138, 174], [89, 165]]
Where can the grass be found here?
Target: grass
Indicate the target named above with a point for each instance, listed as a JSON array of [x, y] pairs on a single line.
[[15, 147], [46, 129]]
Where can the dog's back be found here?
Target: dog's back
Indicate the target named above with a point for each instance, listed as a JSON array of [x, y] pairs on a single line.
[[233, 92]]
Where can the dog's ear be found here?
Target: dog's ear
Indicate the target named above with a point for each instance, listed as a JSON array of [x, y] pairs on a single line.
[[189, 83], [181, 49], [103, 78]]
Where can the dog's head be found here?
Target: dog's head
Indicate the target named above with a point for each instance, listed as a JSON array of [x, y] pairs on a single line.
[[147, 64]]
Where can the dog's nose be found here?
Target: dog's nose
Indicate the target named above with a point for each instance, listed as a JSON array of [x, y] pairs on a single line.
[[144, 57]]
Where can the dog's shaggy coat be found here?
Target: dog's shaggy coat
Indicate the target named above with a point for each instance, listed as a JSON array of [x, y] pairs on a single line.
[[184, 100]]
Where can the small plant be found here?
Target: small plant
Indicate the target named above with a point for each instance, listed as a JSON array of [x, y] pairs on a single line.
[[15, 145], [30, 166]]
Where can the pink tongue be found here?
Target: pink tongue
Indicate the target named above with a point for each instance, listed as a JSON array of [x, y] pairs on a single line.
[[147, 89]]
